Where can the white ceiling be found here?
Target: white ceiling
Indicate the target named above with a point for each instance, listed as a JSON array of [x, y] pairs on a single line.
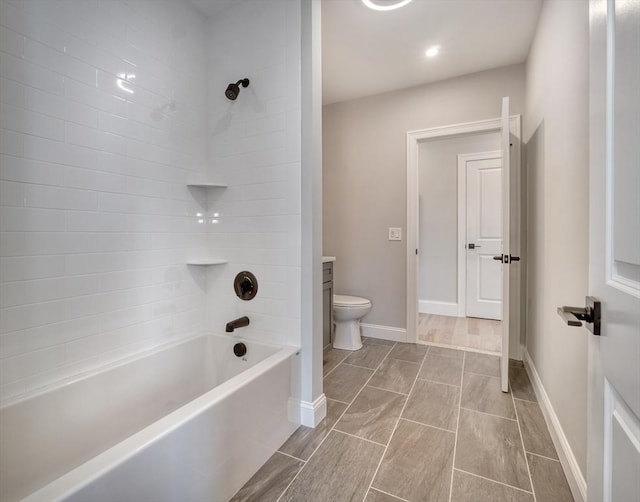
[[367, 52]]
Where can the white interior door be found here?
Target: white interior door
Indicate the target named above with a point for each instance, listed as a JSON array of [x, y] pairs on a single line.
[[613, 472], [506, 246], [483, 234]]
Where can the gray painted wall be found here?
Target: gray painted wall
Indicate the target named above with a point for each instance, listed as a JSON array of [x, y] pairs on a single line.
[[364, 176], [438, 213], [556, 130]]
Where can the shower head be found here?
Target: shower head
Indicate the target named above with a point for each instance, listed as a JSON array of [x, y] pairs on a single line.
[[234, 89]]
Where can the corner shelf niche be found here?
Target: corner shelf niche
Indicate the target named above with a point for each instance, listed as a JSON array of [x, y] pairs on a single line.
[[206, 262], [207, 185]]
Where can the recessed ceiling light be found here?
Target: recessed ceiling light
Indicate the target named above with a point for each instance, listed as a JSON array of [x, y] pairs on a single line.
[[433, 51], [385, 4]]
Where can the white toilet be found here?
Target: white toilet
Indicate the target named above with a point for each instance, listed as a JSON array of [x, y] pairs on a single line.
[[347, 312]]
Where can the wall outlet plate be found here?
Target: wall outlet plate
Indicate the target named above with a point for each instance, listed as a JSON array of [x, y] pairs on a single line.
[[395, 234]]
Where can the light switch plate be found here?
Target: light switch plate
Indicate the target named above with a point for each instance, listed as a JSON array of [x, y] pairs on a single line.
[[395, 234]]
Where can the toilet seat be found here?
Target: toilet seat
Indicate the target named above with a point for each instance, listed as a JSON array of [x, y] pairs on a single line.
[[345, 301]]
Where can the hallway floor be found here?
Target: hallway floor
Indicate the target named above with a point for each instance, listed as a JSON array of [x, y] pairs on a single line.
[[417, 423], [461, 332]]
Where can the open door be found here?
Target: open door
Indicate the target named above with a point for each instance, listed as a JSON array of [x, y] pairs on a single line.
[[613, 470], [505, 258]]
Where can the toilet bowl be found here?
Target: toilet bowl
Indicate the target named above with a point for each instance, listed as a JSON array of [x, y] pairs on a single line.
[[347, 312]]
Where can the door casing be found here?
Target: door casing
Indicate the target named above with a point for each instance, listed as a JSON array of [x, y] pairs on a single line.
[[413, 140]]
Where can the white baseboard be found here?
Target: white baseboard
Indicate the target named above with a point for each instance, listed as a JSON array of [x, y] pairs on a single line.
[[439, 308], [311, 414], [576, 480], [383, 332]]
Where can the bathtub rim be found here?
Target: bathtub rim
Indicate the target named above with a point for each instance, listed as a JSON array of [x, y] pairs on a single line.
[[111, 365], [89, 471]]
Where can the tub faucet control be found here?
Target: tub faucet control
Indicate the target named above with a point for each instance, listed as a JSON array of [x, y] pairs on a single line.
[[240, 322]]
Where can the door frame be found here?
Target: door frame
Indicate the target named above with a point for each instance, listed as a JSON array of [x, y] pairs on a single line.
[[413, 141], [462, 222]]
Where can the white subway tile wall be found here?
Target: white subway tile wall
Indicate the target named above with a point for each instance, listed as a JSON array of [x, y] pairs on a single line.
[[254, 146], [103, 120]]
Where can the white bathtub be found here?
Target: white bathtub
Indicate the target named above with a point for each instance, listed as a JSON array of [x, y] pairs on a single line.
[[189, 422]]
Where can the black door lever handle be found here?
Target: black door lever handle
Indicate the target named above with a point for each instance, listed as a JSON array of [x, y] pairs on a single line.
[[590, 314], [506, 258]]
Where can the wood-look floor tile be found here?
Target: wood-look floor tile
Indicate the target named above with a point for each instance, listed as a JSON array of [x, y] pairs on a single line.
[[341, 470], [270, 481], [520, 384], [482, 363], [395, 375], [483, 334], [332, 357], [483, 393], [535, 434], [369, 356], [441, 369], [344, 382], [469, 488], [377, 341], [378, 496], [491, 447], [411, 352], [489, 343], [305, 440], [443, 351], [417, 463], [372, 415], [549, 481], [434, 404]]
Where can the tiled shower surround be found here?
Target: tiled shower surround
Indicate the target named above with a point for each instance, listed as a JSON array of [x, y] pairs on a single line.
[[109, 108]]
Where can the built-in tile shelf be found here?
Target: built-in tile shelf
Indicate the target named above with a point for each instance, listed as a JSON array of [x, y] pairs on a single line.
[[206, 262], [207, 185]]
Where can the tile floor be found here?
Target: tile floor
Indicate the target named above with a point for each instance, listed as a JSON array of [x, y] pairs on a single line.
[[417, 423], [461, 332]]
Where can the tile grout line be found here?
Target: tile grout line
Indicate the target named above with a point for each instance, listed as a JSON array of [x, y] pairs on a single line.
[[357, 365], [334, 368], [526, 400], [292, 456], [485, 413], [439, 383], [524, 451], [542, 456], [386, 493], [348, 403], [336, 422], [459, 347], [427, 425], [357, 437], [386, 390], [483, 374], [424, 358], [455, 441], [493, 480]]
